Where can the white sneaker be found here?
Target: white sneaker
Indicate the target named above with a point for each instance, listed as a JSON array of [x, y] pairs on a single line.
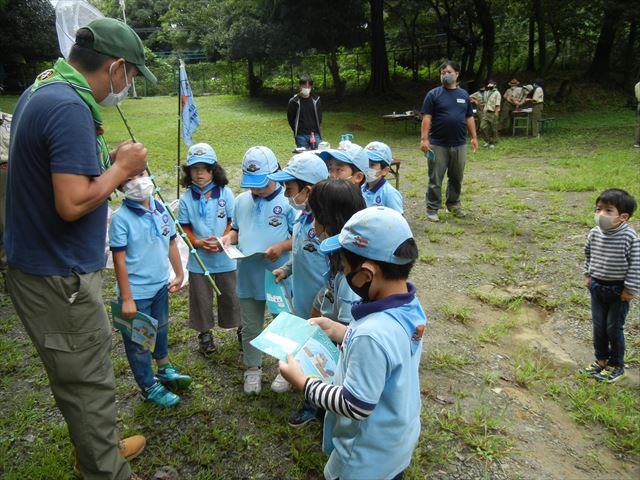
[[253, 381], [279, 384]]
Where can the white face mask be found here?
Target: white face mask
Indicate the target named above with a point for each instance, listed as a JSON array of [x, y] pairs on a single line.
[[305, 92], [138, 189], [294, 204], [113, 98], [604, 222], [372, 174]]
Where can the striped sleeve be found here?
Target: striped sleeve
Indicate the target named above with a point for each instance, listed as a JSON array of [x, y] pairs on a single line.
[[632, 280], [336, 399]]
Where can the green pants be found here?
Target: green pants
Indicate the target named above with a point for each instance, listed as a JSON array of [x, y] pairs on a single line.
[[252, 320], [536, 116], [69, 327], [449, 161], [506, 116], [489, 128]]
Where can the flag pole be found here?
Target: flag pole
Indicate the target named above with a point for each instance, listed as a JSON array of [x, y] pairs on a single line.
[[179, 126]]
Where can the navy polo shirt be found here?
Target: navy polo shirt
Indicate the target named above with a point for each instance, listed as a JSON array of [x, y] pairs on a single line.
[[449, 110], [52, 132]]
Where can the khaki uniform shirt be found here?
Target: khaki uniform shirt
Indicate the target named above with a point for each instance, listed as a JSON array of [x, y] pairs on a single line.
[[514, 94], [493, 101], [479, 98], [638, 92], [538, 95]]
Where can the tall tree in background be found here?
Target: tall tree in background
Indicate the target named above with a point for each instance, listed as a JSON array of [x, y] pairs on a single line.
[[485, 19], [410, 15], [323, 26], [28, 31], [611, 19], [379, 81]]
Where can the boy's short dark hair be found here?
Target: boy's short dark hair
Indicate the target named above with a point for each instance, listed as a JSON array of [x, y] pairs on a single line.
[[304, 78], [450, 63], [620, 199], [302, 184], [390, 271]]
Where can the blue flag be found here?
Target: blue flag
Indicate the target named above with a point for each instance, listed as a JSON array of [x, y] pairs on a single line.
[[190, 118]]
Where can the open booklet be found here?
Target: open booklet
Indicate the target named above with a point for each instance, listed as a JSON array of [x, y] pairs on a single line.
[[234, 252], [288, 334], [142, 329], [278, 299]]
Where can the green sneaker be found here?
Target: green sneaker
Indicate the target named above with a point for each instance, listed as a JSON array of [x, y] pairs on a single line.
[[610, 374], [159, 395], [591, 370], [171, 377]]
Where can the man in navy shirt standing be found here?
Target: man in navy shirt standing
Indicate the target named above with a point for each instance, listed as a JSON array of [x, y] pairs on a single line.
[[56, 229], [447, 115]]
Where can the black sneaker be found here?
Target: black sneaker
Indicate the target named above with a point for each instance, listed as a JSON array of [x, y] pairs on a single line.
[[610, 374], [207, 345], [301, 417], [592, 370]]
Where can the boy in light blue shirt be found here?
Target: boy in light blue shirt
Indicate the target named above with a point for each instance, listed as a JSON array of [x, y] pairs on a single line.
[[142, 238], [349, 163], [373, 409], [261, 227], [205, 214], [377, 191]]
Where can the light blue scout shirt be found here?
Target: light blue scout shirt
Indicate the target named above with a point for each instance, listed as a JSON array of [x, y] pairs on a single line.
[[144, 235], [309, 265], [260, 222], [383, 194], [378, 366], [218, 210], [338, 300]]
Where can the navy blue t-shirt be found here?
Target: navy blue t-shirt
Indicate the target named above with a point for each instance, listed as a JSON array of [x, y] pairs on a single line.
[[52, 132], [449, 110]]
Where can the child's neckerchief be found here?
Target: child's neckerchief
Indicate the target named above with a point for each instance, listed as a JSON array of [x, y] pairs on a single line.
[[155, 210], [201, 195], [64, 73]]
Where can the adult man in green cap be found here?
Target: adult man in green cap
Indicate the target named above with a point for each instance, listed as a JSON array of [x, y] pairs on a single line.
[[59, 182]]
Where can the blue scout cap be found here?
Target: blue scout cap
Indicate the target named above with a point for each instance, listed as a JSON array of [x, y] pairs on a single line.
[[304, 166], [258, 162], [379, 152], [353, 154], [374, 233], [201, 153]]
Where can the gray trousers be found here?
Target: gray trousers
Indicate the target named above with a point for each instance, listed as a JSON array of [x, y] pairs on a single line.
[[201, 316], [449, 160], [252, 315], [68, 325]]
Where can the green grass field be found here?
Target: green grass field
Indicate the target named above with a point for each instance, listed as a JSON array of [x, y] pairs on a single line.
[[530, 206]]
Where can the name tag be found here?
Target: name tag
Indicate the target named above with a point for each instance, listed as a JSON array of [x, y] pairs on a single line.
[[460, 100]]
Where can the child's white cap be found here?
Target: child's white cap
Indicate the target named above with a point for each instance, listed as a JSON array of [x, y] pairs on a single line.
[[379, 152], [201, 153], [258, 162], [305, 166], [374, 233]]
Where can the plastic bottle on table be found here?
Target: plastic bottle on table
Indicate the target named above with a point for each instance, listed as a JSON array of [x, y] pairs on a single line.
[[312, 141]]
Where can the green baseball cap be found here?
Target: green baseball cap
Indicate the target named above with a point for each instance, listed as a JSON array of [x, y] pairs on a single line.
[[117, 39]]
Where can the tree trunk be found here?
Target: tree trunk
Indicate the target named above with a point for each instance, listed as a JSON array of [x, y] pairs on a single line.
[[631, 42], [601, 63], [338, 83], [254, 82], [379, 81], [542, 40], [532, 38], [483, 10]]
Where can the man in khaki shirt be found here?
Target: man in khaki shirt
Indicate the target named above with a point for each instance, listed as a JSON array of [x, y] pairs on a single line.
[[512, 98], [535, 98], [637, 89], [478, 99], [489, 125]]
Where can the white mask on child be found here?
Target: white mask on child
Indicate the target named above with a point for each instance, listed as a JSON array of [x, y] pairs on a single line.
[[296, 205], [604, 222], [372, 174], [138, 189]]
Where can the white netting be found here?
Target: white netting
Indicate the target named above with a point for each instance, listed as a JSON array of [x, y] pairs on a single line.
[[70, 16]]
